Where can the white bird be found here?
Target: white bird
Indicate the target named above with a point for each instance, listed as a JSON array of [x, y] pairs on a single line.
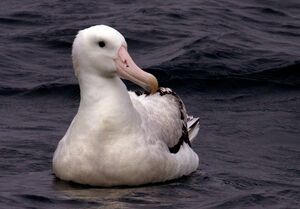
[[119, 137]]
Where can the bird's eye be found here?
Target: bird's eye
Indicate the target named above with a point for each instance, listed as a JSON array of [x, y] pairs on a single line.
[[101, 44]]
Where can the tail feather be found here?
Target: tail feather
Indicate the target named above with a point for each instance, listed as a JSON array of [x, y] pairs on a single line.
[[193, 126]]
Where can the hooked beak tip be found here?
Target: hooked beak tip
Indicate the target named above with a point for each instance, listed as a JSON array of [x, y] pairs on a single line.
[[154, 86]]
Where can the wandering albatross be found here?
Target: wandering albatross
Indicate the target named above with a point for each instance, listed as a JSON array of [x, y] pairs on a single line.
[[119, 137]]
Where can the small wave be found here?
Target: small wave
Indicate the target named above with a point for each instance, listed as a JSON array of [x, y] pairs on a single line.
[[54, 88], [36, 198], [6, 91], [273, 11], [26, 14], [45, 89], [14, 21], [24, 18], [267, 10], [288, 75], [43, 200], [247, 200]]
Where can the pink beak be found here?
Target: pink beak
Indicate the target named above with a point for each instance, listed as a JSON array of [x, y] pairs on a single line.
[[127, 69]]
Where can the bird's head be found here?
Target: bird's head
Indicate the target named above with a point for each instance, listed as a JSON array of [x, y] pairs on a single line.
[[102, 50]]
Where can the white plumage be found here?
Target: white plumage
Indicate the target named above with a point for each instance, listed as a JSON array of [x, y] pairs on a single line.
[[119, 137]]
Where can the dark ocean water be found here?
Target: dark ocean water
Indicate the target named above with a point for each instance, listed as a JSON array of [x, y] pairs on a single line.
[[236, 64]]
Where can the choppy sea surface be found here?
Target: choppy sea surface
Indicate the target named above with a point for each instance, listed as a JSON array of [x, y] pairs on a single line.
[[236, 65]]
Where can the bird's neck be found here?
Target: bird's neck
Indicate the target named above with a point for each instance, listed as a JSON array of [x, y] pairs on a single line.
[[107, 98], [94, 88]]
